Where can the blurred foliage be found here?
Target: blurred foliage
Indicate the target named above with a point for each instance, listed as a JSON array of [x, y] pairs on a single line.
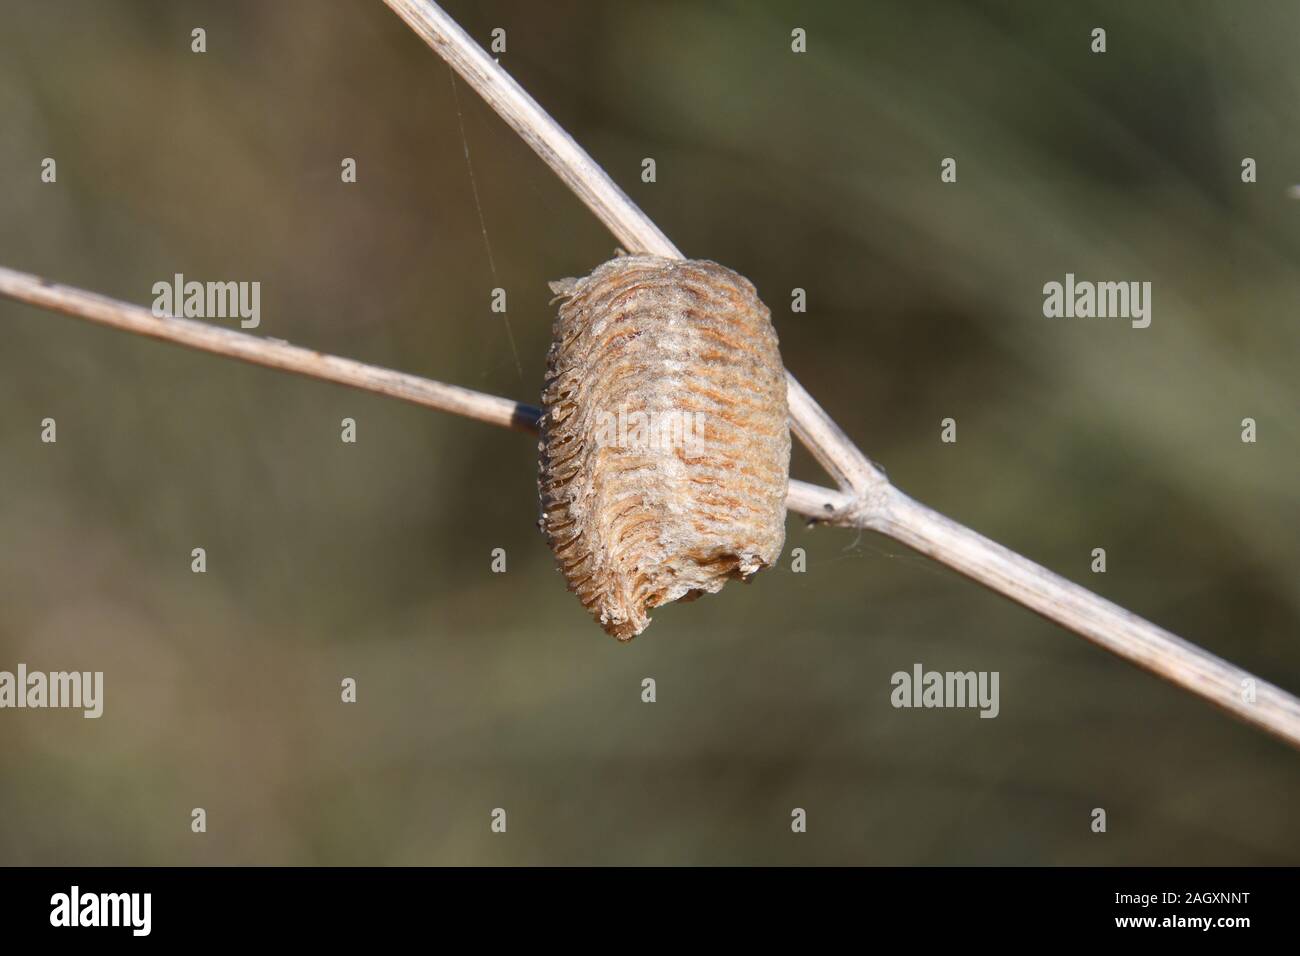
[[372, 560]]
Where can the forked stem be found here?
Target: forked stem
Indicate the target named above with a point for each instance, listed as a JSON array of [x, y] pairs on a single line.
[[866, 499], [886, 510]]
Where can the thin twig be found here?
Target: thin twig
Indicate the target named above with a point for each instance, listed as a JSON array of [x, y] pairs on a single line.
[[269, 352], [872, 502]]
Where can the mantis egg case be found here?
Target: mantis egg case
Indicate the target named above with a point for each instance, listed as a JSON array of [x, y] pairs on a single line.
[[665, 446]]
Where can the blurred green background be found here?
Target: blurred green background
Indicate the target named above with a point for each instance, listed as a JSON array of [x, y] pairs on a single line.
[[481, 690]]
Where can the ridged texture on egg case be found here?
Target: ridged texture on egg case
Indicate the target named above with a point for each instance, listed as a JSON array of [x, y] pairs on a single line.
[[640, 517]]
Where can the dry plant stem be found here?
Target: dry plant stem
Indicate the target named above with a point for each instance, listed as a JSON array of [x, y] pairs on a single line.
[[569, 160], [887, 511], [268, 352], [833, 450], [870, 502], [1102, 622]]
